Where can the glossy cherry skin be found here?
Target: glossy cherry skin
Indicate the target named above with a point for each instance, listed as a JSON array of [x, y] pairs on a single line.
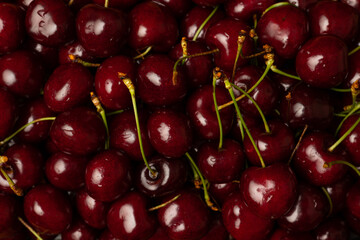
[[22, 73], [223, 36], [79, 131], [92, 211], [107, 235], [217, 230], [50, 22], [334, 18], [10, 210], [110, 89], [152, 25], [170, 133], [155, 81], [322, 62], [42, 204], [102, 31], [8, 111], [178, 7], [308, 211], [12, 32], [195, 17], [221, 191], [25, 164], [352, 141], [284, 234], [338, 191], [189, 212], [353, 3], [79, 230], [313, 153], [303, 4], [128, 218], [239, 220], [245, 10], [171, 175], [307, 106], [124, 135], [121, 4], [66, 171], [209, 2], [108, 176], [201, 111], [284, 28], [353, 200], [333, 229], [77, 50]]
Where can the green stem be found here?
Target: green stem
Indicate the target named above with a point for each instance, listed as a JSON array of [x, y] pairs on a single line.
[[341, 90], [329, 200], [354, 51], [114, 113], [280, 4], [278, 71], [95, 100], [353, 110], [141, 55], [298, 144], [197, 181], [30, 229], [217, 112], [255, 21], [19, 192], [238, 53], [330, 164], [164, 204], [204, 23], [337, 143]]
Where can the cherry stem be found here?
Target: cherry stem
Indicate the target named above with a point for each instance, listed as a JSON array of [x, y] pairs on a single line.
[[25, 126], [106, 4], [255, 21], [354, 51], [114, 113], [231, 92], [95, 100], [142, 55], [298, 144], [82, 62], [278, 71], [70, 2], [30, 229], [216, 107], [204, 23], [280, 4], [197, 181], [331, 206], [240, 43], [206, 194], [337, 143], [342, 90], [18, 191], [330, 164], [354, 109], [164, 204], [128, 83]]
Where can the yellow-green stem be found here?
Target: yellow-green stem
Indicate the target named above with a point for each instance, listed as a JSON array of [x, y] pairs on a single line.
[[198, 31], [329, 200], [354, 51], [342, 138], [142, 55], [165, 203], [353, 110], [280, 4], [240, 43], [217, 110], [330, 164], [298, 144], [18, 191], [278, 71], [106, 4], [114, 113], [95, 100], [30, 228]]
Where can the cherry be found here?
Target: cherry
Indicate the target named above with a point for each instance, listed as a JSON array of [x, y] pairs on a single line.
[[223, 36], [285, 83], [78, 131], [189, 212], [160, 234], [22, 73], [10, 210], [171, 175], [50, 22], [155, 84], [169, 133], [201, 111], [352, 141], [322, 62], [241, 222], [303, 4], [66, 171], [102, 31], [217, 230], [333, 229], [245, 10], [352, 222], [178, 7], [285, 28], [92, 211], [308, 211], [338, 191], [353, 3], [12, 32], [208, 2], [121, 4], [221, 191], [354, 70], [284, 234], [111, 91], [353, 200], [334, 18], [107, 235], [153, 26], [74, 49], [47, 55], [128, 218], [8, 111], [78, 230], [42, 204]]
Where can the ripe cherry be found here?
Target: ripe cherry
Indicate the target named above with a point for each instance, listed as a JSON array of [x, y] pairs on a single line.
[[8, 111], [245, 10], [78, 230]]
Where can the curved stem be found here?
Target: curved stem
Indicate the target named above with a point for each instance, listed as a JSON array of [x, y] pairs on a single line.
[[330, 164], [337, 143], [240, 43], [354, 51], [298, 144], [278, 71], [217, 110], [71, 2], [114, 112], [95, 100], [30, 229], [329, 200], [164, 204], [25, 126], [342, 90], [275, 6], [142, 55], [357, 107], [18, 191], [82, 62], [204, 23]]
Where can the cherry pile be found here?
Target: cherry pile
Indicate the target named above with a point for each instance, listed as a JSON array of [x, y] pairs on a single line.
[[179, 119]]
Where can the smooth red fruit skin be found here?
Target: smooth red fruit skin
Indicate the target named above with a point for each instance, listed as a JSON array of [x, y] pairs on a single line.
[[107, 235], [178, 7], [8, 111], [353, 3], [221, 191], [353, 222], [79, 131], [353, 200], [77, 50], [352, 141], [284, 28], [284, 234], [121, 4], [42, 204], [9, 210], [128, 218], [333, 229], [323, 62], [78, 230], [209, 2], [241, 222], [217, 230], [245, 10], [338, 191], [303, 4], [160, 234]]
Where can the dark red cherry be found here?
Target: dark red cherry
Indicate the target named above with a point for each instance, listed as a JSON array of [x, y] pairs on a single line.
[[353, 200], [25, 167], [245, 10], [284, 28], [22, 73], [223, 36], [152, 25], [353, 3], [221, 165], [241, 222], [313, 153], [155, 81], [47, 55], [170, 132], [92, 211], [209, 2], [78, 230], [178, 7], [284, 234], [108, 176], [353, 222], [160, 234], [8, 111], [128, 218], [322, 62], [221, 191], [10, 210], [78, 131], [50, 22], [285, 83], [201, 111], [121, 4], [66, 171], [110, 89], [124, 136], [48, 209], [189, 212], [334, 18], [217, 230], [303, 4], [195, 17], [102, 31], [12, 30], [352, 141], [333, 229], [77, 50], [308, 211], [107, 235], [338, 191]]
